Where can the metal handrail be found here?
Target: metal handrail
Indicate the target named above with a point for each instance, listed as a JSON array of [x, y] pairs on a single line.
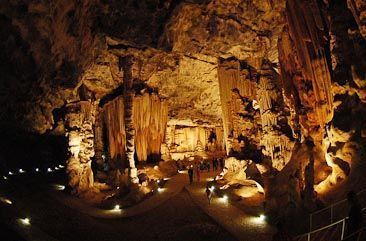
[[331, 210], [343, 221], [308, 235]]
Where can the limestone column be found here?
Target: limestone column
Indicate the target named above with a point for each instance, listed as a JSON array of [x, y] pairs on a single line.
[[80, 119], [128, 94]]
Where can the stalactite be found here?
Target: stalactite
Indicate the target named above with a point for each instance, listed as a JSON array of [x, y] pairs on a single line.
[[150, 115], [115, 128], [275, 141], [149, 119], [219, 131], [313, 85], [233, 78]]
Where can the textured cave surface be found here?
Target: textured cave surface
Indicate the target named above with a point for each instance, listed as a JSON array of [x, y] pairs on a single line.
[[281, 83]]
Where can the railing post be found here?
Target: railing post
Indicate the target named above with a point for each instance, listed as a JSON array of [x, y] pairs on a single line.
[[308, 236], [343, 228]]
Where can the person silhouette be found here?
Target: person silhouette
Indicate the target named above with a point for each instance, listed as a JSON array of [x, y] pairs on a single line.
[[190, 174], [355, 218], [209, 194]]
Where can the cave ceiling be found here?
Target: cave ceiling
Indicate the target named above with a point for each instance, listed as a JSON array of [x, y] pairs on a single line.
[[51, 48]]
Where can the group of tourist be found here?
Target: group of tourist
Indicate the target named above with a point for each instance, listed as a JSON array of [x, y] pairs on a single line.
[[195, 170]]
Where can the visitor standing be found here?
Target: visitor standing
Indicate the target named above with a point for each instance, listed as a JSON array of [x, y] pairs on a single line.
[[214, 164], [198, 174], [209, 194], [208, 166], [190, 174], [354, 216]]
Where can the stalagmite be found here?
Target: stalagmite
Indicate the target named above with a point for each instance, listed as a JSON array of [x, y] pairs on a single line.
[[128, 95], [98, 139], [80, 118]]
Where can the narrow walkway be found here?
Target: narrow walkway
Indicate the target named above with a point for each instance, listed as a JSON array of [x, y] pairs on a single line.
[[238, 223], [174, 186]]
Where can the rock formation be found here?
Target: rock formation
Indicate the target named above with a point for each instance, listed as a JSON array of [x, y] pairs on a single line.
[[131, 81], [80, 118]]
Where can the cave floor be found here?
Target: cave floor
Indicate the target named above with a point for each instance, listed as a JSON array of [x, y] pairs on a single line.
[[185, 216]]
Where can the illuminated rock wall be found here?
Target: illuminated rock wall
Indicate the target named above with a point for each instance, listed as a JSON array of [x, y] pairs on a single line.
[[189, 141]]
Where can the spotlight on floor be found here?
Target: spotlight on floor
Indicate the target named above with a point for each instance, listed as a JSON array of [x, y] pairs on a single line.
[[60, 166], [10, 173], [6, 201], [262, 218], [160, 189], [21, 170], [58, 187], [117, 207], [56, 168], [225, 197], [25, 221], [5, 177], [49, 170]]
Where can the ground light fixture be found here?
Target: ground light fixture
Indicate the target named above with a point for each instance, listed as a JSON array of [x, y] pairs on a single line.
[[262, 217], [5, 177], [58, 187], [21, 170], [25, 221], [117, 207], [10, 173], [37, 169], [6, 201], [225, 197], [49, 170]]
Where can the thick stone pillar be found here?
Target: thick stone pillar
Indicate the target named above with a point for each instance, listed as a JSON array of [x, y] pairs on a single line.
[[126, 64], [80, 119]]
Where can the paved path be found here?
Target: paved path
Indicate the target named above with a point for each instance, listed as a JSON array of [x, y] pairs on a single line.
[[174, 186], [244, 227]]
